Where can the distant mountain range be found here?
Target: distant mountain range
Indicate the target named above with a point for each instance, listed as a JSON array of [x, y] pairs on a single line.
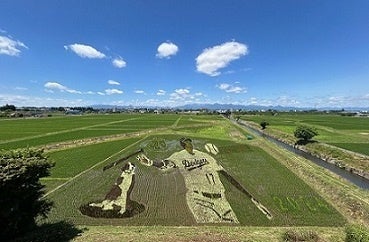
[[218, 106]]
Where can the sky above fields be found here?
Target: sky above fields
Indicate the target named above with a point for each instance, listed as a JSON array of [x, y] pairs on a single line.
[[168, 53]]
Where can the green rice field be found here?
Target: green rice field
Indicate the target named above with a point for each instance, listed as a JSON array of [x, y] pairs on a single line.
[[351, 133]]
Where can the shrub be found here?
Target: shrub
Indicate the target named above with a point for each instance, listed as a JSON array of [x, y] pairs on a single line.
[[357, 233], [264, 124]]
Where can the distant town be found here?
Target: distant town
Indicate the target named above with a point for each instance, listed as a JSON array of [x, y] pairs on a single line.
[[11, 111]]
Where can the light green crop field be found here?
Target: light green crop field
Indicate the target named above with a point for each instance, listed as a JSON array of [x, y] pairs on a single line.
[[351, 133], [37, 132]]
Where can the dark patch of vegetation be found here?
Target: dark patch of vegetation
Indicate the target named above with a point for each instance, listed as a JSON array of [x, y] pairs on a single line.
[[357, 233], [264, 124], [21, 190], [8, 107], [59, 231], [235, 183], [295, 236], [211, 195]]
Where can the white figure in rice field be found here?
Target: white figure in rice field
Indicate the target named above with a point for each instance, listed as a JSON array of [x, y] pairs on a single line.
[[205, 192]]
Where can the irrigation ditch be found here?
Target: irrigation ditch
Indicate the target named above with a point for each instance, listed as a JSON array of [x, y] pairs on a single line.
[[359, 178]]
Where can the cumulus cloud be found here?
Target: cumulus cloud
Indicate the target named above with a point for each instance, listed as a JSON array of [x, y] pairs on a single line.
[[184, 94], [161, 92], [180, 94], [119, 62], [212, 59], [113, 91], [112, 82], [11, 47], [166, 50], [231, 88], [85, 51], [51, 86]]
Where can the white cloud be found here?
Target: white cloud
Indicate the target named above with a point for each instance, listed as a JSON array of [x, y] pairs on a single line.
[[166, 50], [217, 57], [85, 51], [11, 47], [181, 94], [51, 86], [101, 93], [140, 92], [119, 63], [32, 101], [112, 82], [113, 91], [231, 88], [161, 92]]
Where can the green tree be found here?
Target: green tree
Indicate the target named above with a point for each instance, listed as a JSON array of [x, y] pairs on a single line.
[[305, 133], [8, 107], [21, 191], [264, 124]]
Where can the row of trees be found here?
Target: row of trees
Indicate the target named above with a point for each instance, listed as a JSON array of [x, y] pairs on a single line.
[[8, 107]]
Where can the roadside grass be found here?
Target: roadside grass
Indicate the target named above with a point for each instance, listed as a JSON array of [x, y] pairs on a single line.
[[362, 148], [203, 233]]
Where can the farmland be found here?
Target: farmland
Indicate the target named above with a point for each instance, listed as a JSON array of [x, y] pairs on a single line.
[[82, 146], [351, 133]]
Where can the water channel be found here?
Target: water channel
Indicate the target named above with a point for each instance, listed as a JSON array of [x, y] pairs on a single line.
[[353, 178]]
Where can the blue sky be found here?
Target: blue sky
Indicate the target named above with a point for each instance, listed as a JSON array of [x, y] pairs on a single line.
[[169, 53]]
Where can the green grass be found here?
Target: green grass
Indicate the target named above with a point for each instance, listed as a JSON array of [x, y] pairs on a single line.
[[70, 162], [287, 197], [362, 148], [333, 129]]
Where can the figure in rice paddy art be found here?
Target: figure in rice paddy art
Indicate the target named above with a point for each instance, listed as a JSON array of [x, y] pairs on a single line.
[[186, 143], [205, 195]]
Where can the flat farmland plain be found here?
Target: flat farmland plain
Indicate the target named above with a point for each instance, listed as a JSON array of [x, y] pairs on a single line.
[[78, 177], [288, 198], [40, 131], [351, 133]]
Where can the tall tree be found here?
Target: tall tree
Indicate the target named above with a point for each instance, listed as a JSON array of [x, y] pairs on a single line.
[[305, 133], [21, 191]]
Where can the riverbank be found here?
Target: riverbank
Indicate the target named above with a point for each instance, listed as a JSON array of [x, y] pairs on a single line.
[[352, 162]]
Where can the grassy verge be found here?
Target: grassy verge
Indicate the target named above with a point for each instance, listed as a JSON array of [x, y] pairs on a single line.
[[204, 233]]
